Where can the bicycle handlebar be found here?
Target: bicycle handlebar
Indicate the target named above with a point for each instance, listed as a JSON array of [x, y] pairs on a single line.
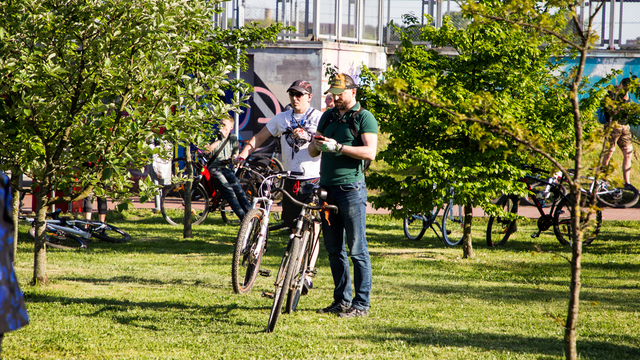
[[307, 206]]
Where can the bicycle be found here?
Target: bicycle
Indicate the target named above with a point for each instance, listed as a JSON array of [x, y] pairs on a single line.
[[608, 195], [251, 240], [72, 234], [499, 228], [205, 198], [452, 220], [298, 260]]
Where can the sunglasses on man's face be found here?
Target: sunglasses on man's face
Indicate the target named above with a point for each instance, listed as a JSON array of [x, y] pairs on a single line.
[[296, 94]]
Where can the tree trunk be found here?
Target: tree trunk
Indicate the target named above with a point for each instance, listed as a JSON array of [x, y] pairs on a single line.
[[467, 247], [186, 230], [16, 213], [40, 250], [570, 349]]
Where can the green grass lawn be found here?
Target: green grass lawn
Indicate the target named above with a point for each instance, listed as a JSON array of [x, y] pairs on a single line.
[[162, 297]]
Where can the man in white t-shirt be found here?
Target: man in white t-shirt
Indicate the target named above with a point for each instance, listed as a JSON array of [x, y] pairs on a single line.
[[296, 128]]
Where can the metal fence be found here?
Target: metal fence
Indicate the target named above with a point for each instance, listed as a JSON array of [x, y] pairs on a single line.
[[367, 21]]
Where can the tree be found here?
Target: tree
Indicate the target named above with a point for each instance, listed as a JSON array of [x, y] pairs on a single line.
[[90, 82], [568, 104], [440, 153]]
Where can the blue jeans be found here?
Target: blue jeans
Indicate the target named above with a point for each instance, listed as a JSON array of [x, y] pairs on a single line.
[[227, 183], [350, 220]]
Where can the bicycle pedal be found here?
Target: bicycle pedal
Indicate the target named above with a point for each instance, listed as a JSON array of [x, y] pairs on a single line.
[[265, 273], [267, 295]]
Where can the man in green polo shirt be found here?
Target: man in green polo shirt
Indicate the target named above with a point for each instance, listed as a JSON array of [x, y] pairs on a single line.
[[347, 136]]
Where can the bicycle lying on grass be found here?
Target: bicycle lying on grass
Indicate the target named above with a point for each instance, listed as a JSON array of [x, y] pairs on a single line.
[[73, 234], [609, 195], [298, 260], [499, 229]]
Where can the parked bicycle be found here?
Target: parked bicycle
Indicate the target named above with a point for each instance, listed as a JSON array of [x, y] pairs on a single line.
[[452, 221], [251, 242], [74, 234], [298, 260], [205, 198], [499, 228]]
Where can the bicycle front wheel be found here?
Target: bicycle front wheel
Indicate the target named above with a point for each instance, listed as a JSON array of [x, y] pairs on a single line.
[[172, 204], [498, 228], [619, 198], [60, 240], [415, 225], [564, 230], [283, 281], [453, 224], [293, 295], [245, 259], [230, 217]]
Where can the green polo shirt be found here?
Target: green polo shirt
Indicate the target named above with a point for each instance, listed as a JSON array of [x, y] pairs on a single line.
[[336, 168]]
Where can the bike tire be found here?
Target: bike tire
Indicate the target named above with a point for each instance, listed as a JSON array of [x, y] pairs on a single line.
[[293, 295], [283, 281], [227, 214], [179, 164], [538, 187], [499, 229], [106, 232], [562, 224], [275, 166], [416, 225], [173, 200], [244, 259], [453, 224], [619, 198], [60, 240]]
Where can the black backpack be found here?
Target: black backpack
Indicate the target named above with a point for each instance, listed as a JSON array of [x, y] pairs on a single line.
[[351, 121]]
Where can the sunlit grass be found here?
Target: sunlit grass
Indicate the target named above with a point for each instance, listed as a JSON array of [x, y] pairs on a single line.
[[164, 297]]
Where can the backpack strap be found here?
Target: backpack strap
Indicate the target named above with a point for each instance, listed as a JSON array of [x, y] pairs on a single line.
[[215, 155]]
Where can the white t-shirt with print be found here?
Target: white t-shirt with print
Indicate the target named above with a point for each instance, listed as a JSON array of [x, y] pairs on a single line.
[[300, 160]]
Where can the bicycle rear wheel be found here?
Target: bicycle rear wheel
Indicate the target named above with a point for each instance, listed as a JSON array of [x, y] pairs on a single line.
[[619, 198], [498, 228], [173, 200], [244, 258], [562, 223], [293, 295], [107, 232], [230, 217], [283, 281], [453, 224], [60, 240]]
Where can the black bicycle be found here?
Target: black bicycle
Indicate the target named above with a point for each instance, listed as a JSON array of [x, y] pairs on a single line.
[[500, 228], [298, 260], [205, 198]]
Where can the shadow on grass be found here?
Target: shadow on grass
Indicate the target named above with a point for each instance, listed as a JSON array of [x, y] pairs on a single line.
[[121, 311], [507, 343]]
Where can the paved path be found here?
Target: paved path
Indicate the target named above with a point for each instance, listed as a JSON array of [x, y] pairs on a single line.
[[527, 211]]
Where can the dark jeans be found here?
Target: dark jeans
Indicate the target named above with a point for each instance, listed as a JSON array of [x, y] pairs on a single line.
[[348, 224], [227, 183]]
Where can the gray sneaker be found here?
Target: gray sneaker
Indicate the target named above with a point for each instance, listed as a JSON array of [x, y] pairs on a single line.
[[353, 312], [334, 308]]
